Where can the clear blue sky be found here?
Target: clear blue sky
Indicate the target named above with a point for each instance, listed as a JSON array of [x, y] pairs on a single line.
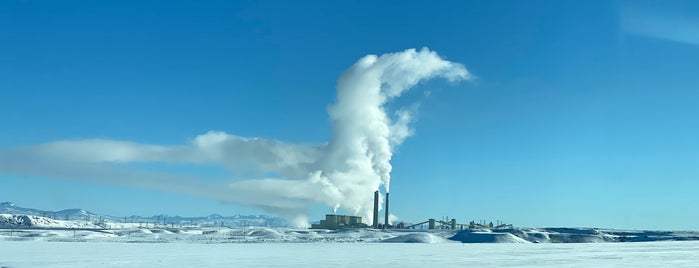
[[583, 113]]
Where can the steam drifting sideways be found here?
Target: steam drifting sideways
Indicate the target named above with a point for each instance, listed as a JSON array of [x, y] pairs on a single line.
[[341, 174]]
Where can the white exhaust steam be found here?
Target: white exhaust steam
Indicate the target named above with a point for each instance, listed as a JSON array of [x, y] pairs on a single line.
[[341, 174]]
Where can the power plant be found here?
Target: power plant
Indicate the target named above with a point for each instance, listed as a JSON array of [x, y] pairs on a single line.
[[333, 221]]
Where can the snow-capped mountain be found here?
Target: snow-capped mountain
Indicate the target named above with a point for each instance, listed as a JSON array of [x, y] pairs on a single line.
[[10, 208], [43, 218], [66, 214], [30, 221]]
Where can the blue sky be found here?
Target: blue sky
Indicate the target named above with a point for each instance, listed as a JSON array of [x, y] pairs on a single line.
[[582, 113]]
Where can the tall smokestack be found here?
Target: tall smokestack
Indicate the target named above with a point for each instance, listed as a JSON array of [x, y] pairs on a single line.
[[376, 209], [385, 225]]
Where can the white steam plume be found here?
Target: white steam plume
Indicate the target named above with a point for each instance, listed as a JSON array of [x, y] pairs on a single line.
[[341, 174]]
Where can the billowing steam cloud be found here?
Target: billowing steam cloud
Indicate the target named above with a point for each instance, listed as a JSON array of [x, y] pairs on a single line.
[[341, 174]]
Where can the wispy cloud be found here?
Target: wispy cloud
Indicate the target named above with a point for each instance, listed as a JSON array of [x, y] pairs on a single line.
[[672, 25]]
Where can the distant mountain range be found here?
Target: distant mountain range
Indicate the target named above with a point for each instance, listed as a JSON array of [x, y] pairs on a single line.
[[80, 215]]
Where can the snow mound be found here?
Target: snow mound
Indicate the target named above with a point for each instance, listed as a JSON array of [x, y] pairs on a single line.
[[416, 238], [468, 236], [264, 233]]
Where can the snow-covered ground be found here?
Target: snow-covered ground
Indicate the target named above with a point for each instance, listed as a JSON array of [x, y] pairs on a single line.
[[222, 235], [18, 223], [38, 241], [71, 232], [34, 241], [102, 254]]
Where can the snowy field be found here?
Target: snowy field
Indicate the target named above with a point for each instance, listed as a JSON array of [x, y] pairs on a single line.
[[208, 235], [106, 254], [36, 241]]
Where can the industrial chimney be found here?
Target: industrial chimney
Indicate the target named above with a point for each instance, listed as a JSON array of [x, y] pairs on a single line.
[[376, 210], [385, 225]]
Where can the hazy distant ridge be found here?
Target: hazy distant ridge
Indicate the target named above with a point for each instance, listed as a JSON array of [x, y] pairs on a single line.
[[80, 215]]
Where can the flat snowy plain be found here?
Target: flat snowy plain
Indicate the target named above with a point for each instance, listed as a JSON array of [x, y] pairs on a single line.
[[40, 242], [114, 254]]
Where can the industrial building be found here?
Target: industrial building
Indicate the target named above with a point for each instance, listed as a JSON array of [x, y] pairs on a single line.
[[333, 222]]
